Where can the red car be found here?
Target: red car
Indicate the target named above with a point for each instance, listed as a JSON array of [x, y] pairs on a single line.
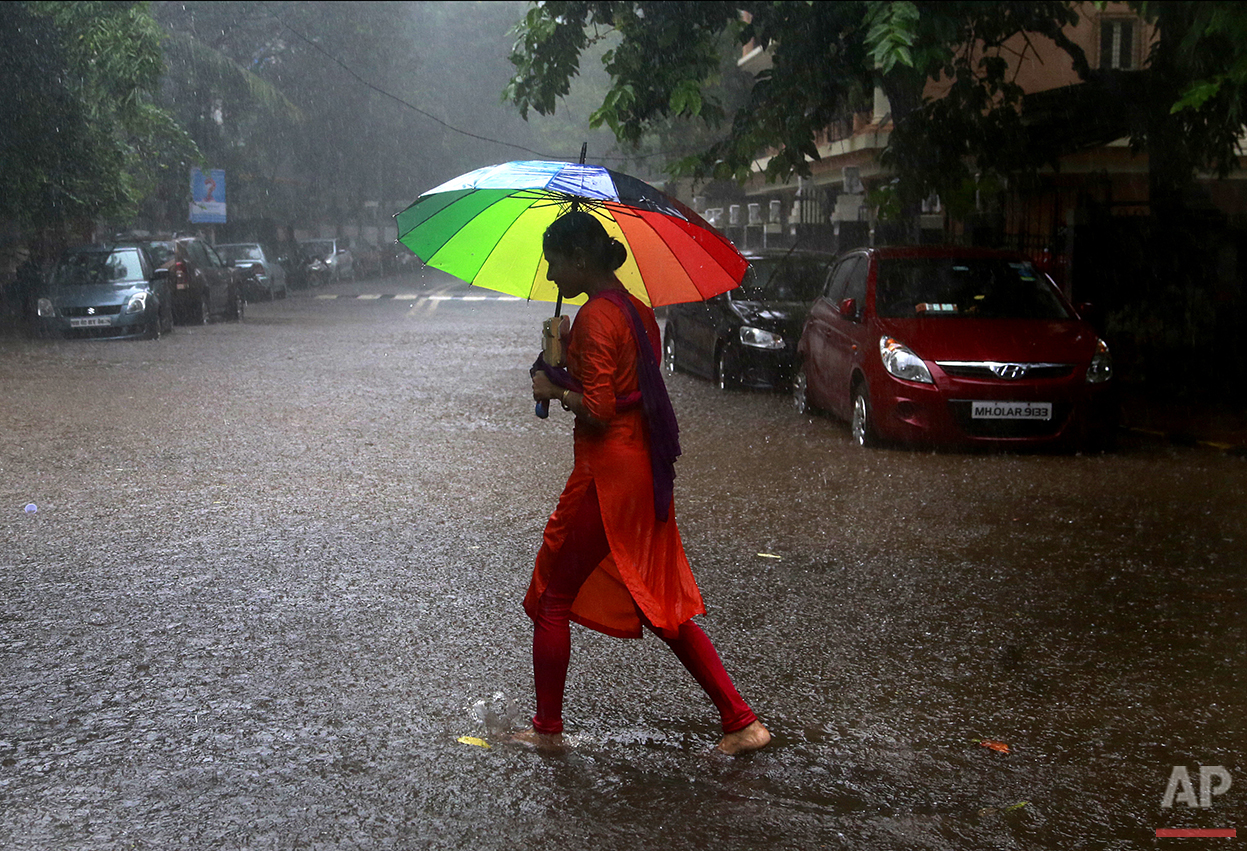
[[952, 345]]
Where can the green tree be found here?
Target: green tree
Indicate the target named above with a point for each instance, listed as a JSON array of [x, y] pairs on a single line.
[[1210, 55], [1194, 100], [827, 57], [81, 128]]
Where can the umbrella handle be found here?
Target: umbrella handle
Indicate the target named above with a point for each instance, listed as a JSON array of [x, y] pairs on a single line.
[[543, 407]]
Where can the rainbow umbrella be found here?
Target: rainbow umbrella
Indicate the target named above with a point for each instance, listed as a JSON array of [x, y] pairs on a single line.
[[485, 228]]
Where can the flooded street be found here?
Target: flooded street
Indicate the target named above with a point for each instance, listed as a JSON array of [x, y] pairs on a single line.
[[275, 570]]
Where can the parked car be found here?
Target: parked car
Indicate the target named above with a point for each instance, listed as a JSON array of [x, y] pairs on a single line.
[[203, 284], [263, 277], [748, 335], [933, 344], [316, 271], [293, 261], [367, 259], [398, 259], [335, 254], [105, 291]]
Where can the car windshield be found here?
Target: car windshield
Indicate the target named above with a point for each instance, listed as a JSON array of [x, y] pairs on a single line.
[[99, 267], [239, 252], [781, 279], [322, 248], [161, 252], [989, 288]]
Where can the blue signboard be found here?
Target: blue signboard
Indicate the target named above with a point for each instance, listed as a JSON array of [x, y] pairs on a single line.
[[208, 196]]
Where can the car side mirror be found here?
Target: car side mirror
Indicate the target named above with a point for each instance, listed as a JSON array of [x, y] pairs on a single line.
[[161, 274], [1088, 312], [848, 309]]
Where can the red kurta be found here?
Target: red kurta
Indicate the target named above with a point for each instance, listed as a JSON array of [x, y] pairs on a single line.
[[647, 568]]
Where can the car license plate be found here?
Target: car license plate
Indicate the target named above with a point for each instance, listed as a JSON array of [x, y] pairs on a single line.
[[89, 321], [1011, 410]]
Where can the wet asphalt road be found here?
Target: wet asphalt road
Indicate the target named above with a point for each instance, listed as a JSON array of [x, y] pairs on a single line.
[[276, 567]]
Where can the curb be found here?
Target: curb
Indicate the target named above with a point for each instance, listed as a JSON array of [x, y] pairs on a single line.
[[1178, 438]]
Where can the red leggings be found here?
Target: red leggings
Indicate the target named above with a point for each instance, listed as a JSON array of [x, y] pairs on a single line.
[[583, 550]]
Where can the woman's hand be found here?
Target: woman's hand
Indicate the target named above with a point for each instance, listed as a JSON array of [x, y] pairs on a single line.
[[544, 388]]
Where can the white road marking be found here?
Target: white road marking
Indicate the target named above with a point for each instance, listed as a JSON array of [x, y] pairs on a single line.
[[422, 307], [417, 299]]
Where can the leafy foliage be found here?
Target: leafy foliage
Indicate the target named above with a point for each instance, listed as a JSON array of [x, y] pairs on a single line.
[[1213, 51], [890, 33], [826, 58], [314, 109], [974, 132], [665, 61], [1196, 97], [77, 82]]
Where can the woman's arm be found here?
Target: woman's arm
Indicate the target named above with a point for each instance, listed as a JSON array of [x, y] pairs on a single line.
[[601, 339]]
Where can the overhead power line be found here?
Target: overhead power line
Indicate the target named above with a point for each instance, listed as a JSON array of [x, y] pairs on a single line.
[[399, 100], [428, 114]]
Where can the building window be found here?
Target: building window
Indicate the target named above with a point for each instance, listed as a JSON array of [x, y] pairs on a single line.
[[1117, 44]]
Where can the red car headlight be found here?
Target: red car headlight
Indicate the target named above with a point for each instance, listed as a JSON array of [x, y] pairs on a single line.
[[900, 361]]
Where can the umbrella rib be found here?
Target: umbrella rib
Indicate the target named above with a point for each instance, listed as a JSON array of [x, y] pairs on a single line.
[[550, 198]]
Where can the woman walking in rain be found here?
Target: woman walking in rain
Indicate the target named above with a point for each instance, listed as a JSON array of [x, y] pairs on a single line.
[[611, 557]]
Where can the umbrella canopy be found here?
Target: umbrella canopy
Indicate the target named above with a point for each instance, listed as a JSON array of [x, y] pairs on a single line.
[[485, 228]]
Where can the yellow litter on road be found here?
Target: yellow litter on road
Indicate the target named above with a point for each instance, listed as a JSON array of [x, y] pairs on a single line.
[[473, 740]]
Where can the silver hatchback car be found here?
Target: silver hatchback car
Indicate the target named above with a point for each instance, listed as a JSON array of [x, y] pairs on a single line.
[[336, 254], [265, 277]]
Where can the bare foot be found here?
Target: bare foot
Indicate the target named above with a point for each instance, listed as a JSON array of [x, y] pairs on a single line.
[[748, 739], [541, 741]]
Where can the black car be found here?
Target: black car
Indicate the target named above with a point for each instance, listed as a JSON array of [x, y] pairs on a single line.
[[105, 291], [747, 337]]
